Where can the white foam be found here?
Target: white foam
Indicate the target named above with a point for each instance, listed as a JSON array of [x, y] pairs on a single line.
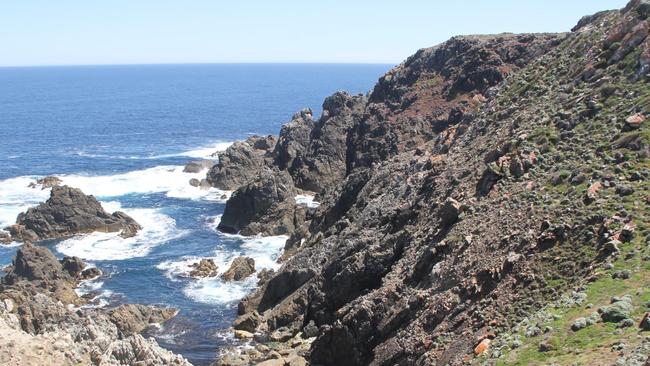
[[17, 197], [208, 152], [264, 250], [157, 228], [205, 152], [307, 201], [213, 222]]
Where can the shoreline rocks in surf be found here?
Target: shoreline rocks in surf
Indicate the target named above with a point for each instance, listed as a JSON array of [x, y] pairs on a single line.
[[68, 212], [39, 318]]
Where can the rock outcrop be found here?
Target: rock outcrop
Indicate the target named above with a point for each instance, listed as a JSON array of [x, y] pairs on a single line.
[[241, 161], [485, 179], [240, 268], [67, 212], [39, 323], [204, 268], [265, 205], [323, 162]]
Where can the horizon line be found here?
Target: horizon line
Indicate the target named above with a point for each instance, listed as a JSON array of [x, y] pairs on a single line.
[[198, 63]]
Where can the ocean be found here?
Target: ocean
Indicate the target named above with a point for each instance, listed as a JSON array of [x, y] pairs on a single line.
[[123, 134]]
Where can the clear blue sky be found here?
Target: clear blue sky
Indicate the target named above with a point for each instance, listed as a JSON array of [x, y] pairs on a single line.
[[72, 32]]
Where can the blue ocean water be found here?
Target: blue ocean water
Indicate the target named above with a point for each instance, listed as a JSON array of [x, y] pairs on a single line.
[[123, 134]]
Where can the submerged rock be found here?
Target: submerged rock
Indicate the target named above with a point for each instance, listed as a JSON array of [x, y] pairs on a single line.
[[67, 212]]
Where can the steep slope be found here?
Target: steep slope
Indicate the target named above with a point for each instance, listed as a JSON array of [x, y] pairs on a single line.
[[493, 185]]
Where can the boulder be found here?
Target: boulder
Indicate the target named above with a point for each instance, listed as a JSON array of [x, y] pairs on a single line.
[[73, 265], [619, 309], [240, 268], [265, 206], [247, 322], [134, 318], [195, 182], [67, 212], [449, 211], [241, 162], [205, 268]]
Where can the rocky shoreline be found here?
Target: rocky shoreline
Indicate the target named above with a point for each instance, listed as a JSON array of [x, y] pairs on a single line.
[[486, 203], [455, 200], [42, 320]]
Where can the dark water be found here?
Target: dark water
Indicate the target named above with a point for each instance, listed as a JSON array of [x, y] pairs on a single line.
[[123, 133]]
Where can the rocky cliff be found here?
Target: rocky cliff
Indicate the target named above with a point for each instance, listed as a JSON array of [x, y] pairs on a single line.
[[486, 204]]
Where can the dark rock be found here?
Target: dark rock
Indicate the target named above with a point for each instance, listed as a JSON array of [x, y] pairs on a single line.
[[265, 206], [73, 265], [195, 182], [322, 164], [247, 322], [240, 268], [68, 212], [293, 139], [645, 322], [90, 273], [241, 162], [310, 330]]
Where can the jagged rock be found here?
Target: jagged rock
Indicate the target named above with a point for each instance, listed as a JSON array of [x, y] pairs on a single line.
[[619, 310], [240, 268], [293, 139], [134, 318], [90, 273], [67, 212], [73, 265], [46, 182], [241, 162], [323, 162], [247, 322], [198, 166], [645, 322], [265, 206], [205, 268]]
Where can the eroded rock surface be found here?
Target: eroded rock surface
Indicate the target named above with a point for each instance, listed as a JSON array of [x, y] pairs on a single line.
[[67, 212]]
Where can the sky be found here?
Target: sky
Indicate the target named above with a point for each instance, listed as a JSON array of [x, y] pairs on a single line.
[[83, 32]]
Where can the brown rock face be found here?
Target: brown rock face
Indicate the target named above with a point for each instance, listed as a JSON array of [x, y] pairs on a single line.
[[240, 268], [134, 318], [67, 212]]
